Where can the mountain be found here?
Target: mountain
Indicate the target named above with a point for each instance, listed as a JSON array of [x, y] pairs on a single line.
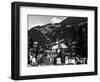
[[67, 28], [70, 29]]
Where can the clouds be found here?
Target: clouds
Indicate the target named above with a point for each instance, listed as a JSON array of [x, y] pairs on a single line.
[[38, 24], [57, 20], [39, 20], [52, 20]]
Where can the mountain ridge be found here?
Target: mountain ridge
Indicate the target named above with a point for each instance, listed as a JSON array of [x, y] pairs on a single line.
[[69, 29]]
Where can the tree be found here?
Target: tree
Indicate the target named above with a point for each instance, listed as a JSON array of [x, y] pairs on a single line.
[[30, 42]]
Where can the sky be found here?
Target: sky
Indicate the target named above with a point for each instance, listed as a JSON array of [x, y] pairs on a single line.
[[34, 20]]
